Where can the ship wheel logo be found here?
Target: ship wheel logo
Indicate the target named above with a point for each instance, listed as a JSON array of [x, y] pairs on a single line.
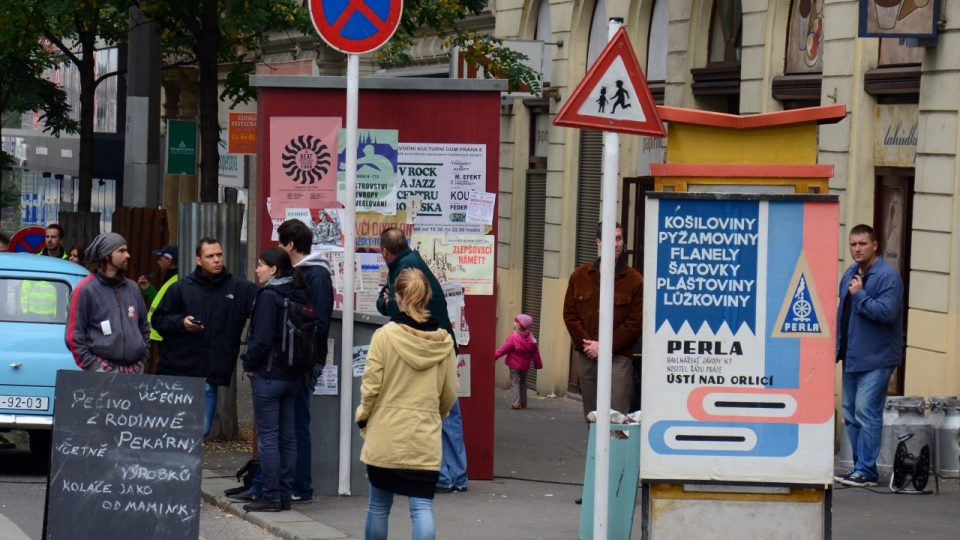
[[306, 159]]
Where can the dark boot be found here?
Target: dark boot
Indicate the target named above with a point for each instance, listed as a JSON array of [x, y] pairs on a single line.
[[263, 506]]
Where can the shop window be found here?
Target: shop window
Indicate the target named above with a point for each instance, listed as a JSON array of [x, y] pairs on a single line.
[[803, 60], [719, 81]]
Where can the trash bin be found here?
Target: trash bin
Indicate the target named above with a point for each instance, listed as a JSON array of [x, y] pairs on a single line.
[[624, 477]]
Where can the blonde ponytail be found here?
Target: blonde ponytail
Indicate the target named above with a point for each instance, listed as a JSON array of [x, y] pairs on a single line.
[[413, 294]]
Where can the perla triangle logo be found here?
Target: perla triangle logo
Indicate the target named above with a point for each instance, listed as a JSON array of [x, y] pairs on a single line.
[[801, 313]]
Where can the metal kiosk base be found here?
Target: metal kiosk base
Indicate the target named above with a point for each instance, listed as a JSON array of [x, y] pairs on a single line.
[[722, 511]]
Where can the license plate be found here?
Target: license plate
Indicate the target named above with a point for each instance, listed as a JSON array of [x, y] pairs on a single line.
[[25, 403]]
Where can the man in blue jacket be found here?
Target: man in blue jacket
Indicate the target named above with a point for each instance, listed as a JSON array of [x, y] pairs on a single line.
[[870, 344]]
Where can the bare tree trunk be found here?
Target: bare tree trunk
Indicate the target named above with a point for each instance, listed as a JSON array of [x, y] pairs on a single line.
[[87, 89], [208, 45]]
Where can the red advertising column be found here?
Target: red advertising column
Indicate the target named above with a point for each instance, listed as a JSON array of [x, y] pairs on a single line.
[[436, 113]]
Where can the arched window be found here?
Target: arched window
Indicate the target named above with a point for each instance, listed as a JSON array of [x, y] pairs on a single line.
[[599, 24], [544, 34], [591, 153], [656, 71]]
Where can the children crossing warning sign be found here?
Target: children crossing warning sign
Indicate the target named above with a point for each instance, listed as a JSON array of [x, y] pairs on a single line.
[[614, 95]]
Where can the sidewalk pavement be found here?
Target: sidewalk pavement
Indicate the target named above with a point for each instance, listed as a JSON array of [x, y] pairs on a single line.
[[539, 457]]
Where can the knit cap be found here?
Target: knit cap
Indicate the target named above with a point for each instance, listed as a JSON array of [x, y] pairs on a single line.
[[524, 321], [104, 244]]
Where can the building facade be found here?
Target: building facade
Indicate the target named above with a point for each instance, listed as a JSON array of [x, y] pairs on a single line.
[[894, 156]]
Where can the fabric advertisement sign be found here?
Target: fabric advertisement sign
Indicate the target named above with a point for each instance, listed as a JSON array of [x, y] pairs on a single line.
[[232, 167], [895, 138], [442, 176], [242, 135], [376, 189], [303, 162], [738, 339], [181, 147]]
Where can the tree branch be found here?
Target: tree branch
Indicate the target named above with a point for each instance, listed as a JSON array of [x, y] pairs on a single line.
[[60, 45]]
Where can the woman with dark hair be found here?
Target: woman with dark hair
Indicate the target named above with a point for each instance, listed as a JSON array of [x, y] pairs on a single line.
[[409, 383], [75, 255], [274, 387]]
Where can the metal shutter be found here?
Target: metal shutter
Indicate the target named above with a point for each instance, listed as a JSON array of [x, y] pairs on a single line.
[[534, 217], [588, 194]]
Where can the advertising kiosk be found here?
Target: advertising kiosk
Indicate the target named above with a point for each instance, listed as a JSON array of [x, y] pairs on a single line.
[[739, 329], [428, 159]]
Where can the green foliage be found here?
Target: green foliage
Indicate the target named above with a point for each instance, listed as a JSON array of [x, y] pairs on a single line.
[[242, 27], [23, 59], [422, 18]]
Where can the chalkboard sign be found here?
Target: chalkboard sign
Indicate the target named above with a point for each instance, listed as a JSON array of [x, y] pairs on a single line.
[[126, 457]]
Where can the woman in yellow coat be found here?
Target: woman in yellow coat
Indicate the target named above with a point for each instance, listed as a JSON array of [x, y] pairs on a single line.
[[409, 384]]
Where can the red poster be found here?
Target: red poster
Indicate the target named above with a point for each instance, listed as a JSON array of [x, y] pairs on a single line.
[[242, 135], [303, 162]]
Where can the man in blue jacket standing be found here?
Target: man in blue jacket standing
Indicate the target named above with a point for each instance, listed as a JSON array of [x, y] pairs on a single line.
[[870, 344]]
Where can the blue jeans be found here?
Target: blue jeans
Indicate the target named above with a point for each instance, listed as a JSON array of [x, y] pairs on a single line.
[[864, 395], [303, 474], [273, 410], [378, 516], [209, 408], [453, 466]]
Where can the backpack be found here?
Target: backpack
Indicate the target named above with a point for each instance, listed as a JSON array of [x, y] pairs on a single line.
[[298, 345]]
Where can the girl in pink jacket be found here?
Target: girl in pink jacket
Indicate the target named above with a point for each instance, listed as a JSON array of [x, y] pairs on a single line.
[[521, 350]]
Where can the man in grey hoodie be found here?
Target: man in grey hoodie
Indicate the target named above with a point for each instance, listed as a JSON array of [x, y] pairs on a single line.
[[107, 328]]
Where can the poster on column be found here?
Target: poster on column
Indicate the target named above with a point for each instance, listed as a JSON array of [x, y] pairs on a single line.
[[303, 162], [464, 258], [369, 225], [442, 175], [376, 184], [738, 340], [325, 224]]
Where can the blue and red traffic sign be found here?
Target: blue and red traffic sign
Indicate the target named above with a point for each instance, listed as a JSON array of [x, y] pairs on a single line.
[[356, 26], [28, 240]]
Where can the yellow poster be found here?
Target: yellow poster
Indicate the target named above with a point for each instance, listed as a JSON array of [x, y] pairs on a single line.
[[466, 259]]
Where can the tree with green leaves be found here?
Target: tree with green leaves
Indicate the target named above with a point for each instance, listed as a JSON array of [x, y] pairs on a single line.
[[215, 34], [219, 33], [23, 59], [444, 18], [77, 28]]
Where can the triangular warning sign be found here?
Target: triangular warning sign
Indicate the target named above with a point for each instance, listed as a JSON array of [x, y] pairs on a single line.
[[801, 314], [614, 95]]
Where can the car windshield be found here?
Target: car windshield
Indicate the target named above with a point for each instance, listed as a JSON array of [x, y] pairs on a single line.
[[34, 300]]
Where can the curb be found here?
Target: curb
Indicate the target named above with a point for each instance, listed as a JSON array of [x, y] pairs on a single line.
[[289, 524]]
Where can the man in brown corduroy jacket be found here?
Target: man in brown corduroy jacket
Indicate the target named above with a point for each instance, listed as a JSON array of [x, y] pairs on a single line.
[[581, 314]]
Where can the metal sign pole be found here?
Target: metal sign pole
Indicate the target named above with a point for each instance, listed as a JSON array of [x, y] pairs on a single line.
[[611, 170], [349, 247]]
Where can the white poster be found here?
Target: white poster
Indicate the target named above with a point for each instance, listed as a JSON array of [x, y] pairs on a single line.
[[480, 207], [463, 375], [442, 175], [738, 339]]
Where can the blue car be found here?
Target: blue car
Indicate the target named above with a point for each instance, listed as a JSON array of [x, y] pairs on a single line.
[[34, 303]]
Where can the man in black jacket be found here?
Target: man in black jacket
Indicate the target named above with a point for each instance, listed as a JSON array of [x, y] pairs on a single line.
[[201, 319], [297, 239]]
